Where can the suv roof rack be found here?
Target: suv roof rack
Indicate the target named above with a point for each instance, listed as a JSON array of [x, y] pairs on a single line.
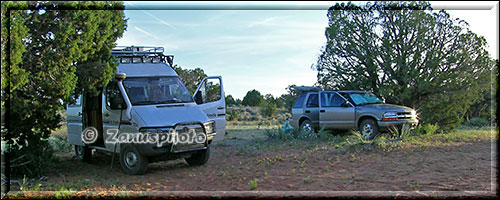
[[141, 54]]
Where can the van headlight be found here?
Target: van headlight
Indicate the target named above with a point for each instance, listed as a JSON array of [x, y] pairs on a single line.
[[210, 127]]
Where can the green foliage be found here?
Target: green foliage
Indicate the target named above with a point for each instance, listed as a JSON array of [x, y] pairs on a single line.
[[16, 76], [407, 55], [232, 115], [253, 183], [191, 77], [290, 97], [484, 107], [477, 122], [293, 134], [58, 53], [231, 101], [400, 132], [252, 98], [426, 129], [268, 109]]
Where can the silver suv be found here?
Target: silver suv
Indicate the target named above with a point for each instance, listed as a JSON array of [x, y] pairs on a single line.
[[352, 109]]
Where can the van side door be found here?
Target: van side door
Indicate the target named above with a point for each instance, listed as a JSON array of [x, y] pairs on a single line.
[[334, 112], [210, 98], [74, 122], [113, 110]]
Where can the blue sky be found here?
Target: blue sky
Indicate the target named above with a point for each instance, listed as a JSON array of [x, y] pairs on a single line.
[[259, 49]]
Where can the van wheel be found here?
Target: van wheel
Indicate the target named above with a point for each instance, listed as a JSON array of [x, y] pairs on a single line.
[[368, 129], [131, 161], [83, 153], [199, 158], [306, 126]]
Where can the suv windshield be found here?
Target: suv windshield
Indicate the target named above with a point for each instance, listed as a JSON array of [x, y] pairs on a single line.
[[364, 98], [156, 90]]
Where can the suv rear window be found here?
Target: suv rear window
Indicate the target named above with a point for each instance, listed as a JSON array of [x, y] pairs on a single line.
[[312, 101], [299, 102]]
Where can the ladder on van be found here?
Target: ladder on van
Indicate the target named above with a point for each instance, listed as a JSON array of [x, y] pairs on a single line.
[[141, 54]]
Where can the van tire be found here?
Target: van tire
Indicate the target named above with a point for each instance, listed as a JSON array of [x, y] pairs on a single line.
[[368, 129], [199, 158], [83, 153], [131, 161]]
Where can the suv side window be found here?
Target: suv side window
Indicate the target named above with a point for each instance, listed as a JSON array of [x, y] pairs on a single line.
[[312, 102], [299, 102], [114, 97], [331, 99]]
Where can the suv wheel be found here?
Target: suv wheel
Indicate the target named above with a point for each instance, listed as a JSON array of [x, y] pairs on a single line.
[[83, 153], [368, 128], [131, 161], [306, 126], [199, 158]]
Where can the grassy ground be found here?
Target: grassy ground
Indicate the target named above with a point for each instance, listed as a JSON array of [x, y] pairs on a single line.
[[263, 158]]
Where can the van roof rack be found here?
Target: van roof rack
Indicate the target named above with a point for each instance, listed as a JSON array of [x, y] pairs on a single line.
[[141, 54]]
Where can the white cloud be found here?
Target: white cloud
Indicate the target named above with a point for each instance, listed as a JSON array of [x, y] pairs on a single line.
[[261, 22], [160, 20], [145, 32]]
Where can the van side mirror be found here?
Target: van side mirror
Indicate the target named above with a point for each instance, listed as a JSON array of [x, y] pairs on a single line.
[[198, 98], [116, 103]]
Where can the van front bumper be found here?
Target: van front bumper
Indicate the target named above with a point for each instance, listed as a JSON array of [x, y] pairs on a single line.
[[384, 125], [155, 150]]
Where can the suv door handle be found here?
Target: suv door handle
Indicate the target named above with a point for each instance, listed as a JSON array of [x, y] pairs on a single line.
[[106, 114], [308, 111], [321, 110], [220, 108], [79, 114]]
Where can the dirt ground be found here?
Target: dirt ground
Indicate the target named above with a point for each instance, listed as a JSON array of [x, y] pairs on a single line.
[[256, 164]]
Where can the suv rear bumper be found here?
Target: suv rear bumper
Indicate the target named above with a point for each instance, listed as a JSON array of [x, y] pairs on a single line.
[[384, 125]]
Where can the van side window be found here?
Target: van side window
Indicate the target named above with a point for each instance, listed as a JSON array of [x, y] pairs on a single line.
[[114, 98], [312, 102], [330, 99], [299, 102]]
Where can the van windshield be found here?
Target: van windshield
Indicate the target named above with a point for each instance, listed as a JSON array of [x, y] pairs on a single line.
[[156, 90], [364, 98]]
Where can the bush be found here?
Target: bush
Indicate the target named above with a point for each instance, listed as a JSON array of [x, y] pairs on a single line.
[[400, 132], [477, 122], [232, 115], [426, 129], [268, 109]]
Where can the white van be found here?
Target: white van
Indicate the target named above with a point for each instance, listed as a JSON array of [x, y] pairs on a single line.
[[148, 100]]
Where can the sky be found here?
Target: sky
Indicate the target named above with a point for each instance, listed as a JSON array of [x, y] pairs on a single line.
[[259, 45]]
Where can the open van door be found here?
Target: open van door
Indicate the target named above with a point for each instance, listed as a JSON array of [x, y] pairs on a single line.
[[74, 122], [210, 98]]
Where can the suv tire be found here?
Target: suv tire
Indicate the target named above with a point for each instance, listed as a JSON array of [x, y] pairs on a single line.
[[306, 126], [199, 158], [368, 129], [131, 161]]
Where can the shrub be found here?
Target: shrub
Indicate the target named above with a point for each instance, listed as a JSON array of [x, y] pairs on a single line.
[[268, 109], [477, 122], [400, 132], [426, 129]]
